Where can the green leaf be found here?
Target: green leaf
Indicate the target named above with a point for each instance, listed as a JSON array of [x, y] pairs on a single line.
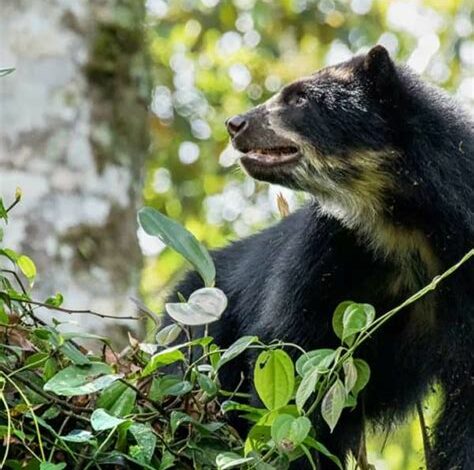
[[3, 212], [3, 313], [177, 418], [81, 380], [309, 441], [337, 325], [350, 374], [118, 399], [204, 306], [159, 386], [4, 73], [274, 378], [50, 368], [356, 318], [27, 267], [181, 240], [319, 359], [101, 420], [52, 466], [333, 404], [230, 405], [10, 254], [351, 401], [168, 334], [72, 353], [163, 358], [228, 460], [78, 435], [236, 348], [207, 385], [39, 358], [146, 441], [55, 301], [179, 388], [214, 356], [363, 375], [288, 432], [306, 388], [167, 461]]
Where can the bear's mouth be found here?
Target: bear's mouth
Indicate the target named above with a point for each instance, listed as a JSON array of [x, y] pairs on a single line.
[[270, 157]]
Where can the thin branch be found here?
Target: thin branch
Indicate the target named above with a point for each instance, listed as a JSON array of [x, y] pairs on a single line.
[[424, 435], [73, 311]]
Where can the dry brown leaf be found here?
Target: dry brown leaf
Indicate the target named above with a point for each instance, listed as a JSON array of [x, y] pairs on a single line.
[[283, 207]]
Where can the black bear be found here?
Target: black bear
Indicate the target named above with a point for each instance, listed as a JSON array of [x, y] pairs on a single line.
[[388, 161]]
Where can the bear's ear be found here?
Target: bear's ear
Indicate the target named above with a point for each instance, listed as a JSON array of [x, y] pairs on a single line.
[[379, 69]]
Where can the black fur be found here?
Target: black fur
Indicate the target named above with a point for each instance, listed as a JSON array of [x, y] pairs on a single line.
[[285, 282]]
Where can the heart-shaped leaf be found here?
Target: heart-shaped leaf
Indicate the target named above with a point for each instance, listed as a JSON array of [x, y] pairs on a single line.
[[356, 318], [101, 420], [204, 306], [274, 378], [81, 380], [289, 432], [337, 325], [318, 359]]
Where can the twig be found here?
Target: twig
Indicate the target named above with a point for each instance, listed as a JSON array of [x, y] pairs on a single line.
[[73, 311], [9, 427], [25, 292], [424, 435]]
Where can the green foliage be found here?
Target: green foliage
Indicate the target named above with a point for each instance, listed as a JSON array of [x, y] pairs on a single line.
[[66, 407], [180, 239], [274, 378]]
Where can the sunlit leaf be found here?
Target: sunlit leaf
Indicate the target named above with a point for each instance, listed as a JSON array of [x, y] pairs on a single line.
[[81, 380], [101, 420], [177, 237], [163, 358], [274, 378], [238, 347], [27, 266], [204, 306], [289, 432], [319, 359], [228, 460], [333, 404]]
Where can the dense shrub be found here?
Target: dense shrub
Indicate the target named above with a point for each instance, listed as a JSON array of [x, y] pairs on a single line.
[[66, 407]]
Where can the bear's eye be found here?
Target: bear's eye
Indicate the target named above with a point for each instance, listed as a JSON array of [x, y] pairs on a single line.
[[299, 99]]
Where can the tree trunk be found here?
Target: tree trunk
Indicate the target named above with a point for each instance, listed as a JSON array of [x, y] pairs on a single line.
[[73, 133]]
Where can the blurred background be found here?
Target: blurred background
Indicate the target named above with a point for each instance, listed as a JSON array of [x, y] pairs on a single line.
[[118, 103]]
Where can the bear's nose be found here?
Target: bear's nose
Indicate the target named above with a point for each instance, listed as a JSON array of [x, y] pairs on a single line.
[[235, 124]]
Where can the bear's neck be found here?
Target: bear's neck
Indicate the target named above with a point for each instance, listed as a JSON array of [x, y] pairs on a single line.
[[406, 247]]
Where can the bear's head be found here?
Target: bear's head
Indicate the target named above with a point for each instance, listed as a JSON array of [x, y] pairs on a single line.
[[330, 134]]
